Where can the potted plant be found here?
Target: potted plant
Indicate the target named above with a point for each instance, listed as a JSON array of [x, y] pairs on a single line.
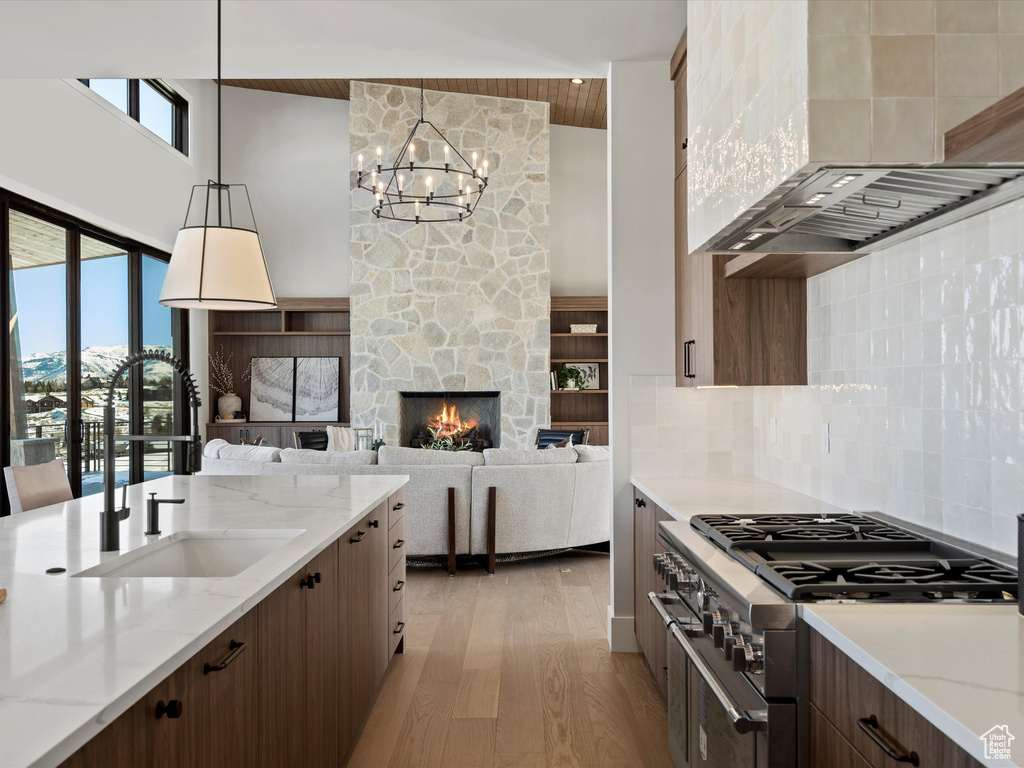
[[570, 377], [222, 380]]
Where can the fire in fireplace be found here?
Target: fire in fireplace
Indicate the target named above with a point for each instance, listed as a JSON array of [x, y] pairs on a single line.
[[469, 417]]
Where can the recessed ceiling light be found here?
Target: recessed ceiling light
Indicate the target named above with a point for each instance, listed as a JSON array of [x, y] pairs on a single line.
[[577, 81]]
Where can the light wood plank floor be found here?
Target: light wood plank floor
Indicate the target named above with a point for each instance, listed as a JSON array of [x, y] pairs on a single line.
[[513, 671]]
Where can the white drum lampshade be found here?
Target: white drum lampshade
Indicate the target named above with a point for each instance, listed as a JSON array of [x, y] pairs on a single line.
[[217, 261]]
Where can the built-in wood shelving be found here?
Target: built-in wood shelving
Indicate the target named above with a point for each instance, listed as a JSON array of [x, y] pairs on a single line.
[[590, 409], [297, 327]]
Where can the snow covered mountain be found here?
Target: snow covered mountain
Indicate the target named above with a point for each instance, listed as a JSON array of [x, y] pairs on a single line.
[[97, 363]]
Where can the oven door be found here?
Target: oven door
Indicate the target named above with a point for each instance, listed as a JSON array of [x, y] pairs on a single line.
[[674, 612]]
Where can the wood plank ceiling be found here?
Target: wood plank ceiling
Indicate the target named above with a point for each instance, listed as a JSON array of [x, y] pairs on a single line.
[[583, 106]]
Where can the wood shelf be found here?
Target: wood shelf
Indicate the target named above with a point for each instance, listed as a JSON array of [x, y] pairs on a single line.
[[298, 327], [590, 410], [281, 333]]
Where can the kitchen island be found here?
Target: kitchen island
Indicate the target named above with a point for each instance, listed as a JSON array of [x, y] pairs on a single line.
[[959, 666], [79, 652]]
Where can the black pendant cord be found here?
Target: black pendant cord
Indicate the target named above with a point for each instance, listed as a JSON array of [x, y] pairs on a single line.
[[218, 91], [219, 216], [421, 95]]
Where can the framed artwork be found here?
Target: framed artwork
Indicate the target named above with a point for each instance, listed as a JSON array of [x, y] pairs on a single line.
[[317, 388], [272, 389], [591, 374]]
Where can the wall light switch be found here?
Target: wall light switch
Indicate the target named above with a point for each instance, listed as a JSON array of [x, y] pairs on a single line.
[[773, 430], [826, 439]]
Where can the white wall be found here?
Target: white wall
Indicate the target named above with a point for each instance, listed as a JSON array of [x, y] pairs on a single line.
[[641, 282], [63, 147], [579, 211], [292, 152]]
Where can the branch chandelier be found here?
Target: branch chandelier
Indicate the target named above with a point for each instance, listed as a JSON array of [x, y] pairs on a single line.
[[410, 191]]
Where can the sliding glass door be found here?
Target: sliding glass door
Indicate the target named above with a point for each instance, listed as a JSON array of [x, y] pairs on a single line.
[[78, 301]]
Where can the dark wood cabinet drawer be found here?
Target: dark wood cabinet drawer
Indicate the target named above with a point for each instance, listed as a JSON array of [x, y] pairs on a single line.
[[828, 747], [396, 544], [396, 585], [396, 627], [848, 696], [396, 507]]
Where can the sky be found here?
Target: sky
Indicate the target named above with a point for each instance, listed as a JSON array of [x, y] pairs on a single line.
[[42, 319]]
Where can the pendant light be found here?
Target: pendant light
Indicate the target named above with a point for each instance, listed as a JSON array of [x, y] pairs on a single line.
[[217, 261]]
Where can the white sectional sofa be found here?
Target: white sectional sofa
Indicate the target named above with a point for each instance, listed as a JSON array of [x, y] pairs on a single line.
[[548, 499]]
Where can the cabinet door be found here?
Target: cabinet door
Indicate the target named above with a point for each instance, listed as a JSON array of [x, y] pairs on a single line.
[[164, 718], [701, 303], [225, 695], [281, 651], [363, 645], [684, 323], [115, 745], [323, 606], [828, 748], [680, 119]]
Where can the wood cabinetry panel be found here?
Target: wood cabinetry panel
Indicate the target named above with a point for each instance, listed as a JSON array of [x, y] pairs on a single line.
[[227, 697], [322, 681], [281, 620], [396, 550], [396, 507], [844, 693], [828, 748]]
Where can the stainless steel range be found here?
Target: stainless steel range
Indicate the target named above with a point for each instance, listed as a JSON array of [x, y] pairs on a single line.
[[737, 658]]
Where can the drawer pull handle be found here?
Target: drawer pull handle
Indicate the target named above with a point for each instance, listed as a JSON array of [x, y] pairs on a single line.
[[399, 544], [870, 726], [358, 537], [170, 708], [399, 628], [236, 648], [311, 580], [375, 523], [399, 586], [398, 506]]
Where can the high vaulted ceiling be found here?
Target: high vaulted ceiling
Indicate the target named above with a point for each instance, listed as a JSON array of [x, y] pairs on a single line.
[[584, 105], [334, 38]]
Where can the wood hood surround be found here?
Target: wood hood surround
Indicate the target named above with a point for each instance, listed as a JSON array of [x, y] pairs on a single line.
[[778, 91]]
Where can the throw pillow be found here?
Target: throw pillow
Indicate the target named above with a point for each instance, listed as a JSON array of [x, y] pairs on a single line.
[[340, 439], [567, 443]]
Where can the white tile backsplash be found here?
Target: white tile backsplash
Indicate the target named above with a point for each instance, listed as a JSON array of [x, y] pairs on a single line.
[[916, 361]]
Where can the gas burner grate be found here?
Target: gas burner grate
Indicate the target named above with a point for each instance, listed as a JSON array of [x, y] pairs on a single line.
[[728, 530], [940, 577]]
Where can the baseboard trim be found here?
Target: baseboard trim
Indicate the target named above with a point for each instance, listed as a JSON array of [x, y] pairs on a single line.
[[621, 638]]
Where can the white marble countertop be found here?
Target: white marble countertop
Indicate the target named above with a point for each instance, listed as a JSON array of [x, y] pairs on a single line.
[[77, 652], [960, 666]]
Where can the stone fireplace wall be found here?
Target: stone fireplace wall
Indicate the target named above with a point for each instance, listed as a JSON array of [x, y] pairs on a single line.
[[454, 306]]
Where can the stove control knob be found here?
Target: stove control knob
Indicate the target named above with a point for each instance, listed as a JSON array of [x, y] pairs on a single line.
[[730, 645], [709, 622], [739, 657], [672, 579], [718, 634], [754, 657]]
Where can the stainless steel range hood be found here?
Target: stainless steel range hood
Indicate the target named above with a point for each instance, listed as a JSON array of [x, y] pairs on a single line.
[[862, 209]]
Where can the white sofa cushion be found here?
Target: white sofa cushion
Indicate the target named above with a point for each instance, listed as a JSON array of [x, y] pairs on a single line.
[[249, 453], [497, 457], [592, 452], [306, 456], [212, 449], [391, 455]]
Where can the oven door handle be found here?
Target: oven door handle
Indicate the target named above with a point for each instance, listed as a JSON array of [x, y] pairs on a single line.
[[743, 721], [656, 600]]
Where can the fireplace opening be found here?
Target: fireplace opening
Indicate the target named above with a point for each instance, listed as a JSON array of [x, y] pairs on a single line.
[[466, 417]]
